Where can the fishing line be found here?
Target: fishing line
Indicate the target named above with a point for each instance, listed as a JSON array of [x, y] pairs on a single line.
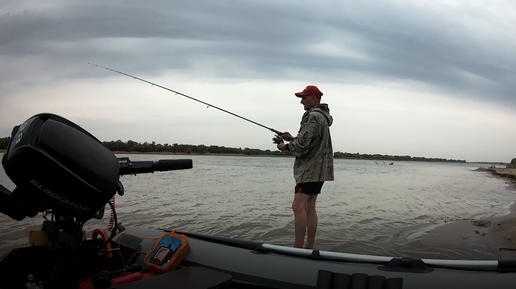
[[278, 133]]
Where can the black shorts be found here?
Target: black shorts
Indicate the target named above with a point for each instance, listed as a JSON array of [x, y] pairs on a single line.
[[312, 188]]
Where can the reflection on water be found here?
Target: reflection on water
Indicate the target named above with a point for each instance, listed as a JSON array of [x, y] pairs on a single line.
[[369, 208]]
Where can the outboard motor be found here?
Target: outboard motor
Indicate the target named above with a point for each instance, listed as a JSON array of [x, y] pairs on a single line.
[[61, 169], [57, 166]]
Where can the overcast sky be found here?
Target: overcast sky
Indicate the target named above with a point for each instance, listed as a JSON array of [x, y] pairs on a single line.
[[419, 78]]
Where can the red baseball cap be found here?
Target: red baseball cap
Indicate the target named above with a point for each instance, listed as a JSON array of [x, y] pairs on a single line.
[[310, 90]]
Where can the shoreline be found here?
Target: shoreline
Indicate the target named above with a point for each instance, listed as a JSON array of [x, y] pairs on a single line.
[[178, 154], [495, 236], [287, 155]]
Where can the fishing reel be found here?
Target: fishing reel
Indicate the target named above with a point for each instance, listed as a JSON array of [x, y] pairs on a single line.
[[277, 139]]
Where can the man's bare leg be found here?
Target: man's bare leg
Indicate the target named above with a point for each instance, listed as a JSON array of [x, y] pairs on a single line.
[[300, 218], [311, 216]]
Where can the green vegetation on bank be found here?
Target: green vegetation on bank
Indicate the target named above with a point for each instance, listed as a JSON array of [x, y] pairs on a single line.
[[357, 156], [4, 141], [146, 147]]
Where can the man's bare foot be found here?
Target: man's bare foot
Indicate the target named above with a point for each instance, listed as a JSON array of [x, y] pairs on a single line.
[[309, 247]]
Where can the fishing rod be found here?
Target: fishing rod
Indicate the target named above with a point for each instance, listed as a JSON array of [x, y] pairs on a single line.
[[277, 139]]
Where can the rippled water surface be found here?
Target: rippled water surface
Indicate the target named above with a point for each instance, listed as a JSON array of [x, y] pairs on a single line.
[[370, 208]]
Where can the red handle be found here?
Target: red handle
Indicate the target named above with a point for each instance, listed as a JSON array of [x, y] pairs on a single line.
[[102, 233]]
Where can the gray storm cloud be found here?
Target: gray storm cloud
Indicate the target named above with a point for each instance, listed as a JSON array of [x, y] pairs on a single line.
[[463, 50]]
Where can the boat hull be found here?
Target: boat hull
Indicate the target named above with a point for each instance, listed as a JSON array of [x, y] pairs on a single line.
[[285, 267]]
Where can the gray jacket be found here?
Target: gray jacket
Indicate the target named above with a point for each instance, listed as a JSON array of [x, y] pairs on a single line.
[[313, 147]]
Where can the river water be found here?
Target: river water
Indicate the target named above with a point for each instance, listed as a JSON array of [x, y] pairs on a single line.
[[370, 208]]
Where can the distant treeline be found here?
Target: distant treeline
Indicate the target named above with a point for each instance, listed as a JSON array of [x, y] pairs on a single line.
[[4, 141], [392, 158], [132, 146]]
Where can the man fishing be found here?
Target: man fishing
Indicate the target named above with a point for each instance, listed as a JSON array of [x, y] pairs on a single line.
[[313, 151], [313, 165]]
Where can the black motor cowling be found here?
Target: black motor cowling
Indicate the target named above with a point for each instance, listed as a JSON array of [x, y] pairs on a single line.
[[56, 165]]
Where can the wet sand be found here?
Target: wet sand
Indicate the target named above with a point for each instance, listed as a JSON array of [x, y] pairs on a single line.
[[495, 236]]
